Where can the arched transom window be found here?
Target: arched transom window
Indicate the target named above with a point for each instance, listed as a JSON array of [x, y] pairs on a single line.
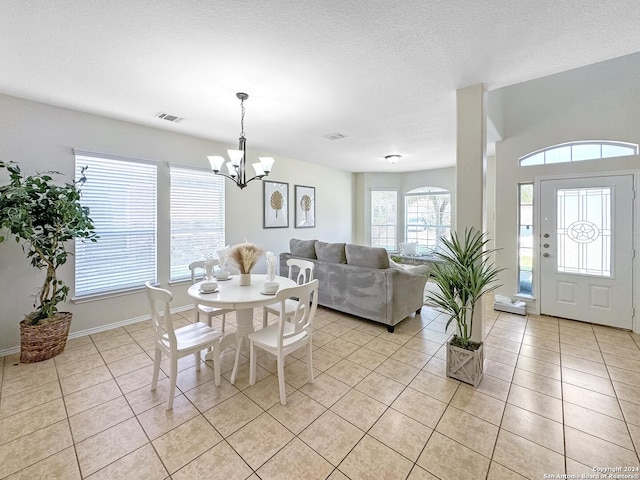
[[578, 151]]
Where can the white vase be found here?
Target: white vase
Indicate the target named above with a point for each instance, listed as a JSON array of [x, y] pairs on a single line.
[[271, 266], [208, 268], [245, 279]]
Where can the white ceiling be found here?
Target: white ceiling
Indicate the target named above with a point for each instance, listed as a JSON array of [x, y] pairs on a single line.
[[383, 73]]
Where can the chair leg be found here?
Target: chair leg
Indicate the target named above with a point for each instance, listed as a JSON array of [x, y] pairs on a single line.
[[252, 363], [174, 377], [309, 364], [224, 320], [210, 323], [156, 369], [216, 364], [283, 392], [198, 360]]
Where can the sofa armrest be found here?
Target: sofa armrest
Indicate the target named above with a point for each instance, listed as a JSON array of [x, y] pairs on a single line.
[[408, 293]]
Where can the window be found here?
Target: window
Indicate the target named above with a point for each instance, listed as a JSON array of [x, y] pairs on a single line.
[[121, 196], [427, 217], [197, 217], [578, 151], [525, 238], [384, 218]]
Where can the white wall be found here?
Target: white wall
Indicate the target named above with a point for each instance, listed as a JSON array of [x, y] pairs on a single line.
[[402, 182], [598, 102], [42, 137]]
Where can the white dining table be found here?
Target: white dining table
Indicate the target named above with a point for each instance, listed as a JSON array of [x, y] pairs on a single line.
[[243, 299]]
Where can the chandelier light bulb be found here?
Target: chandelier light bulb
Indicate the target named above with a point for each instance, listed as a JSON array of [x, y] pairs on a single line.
[[216, 162]]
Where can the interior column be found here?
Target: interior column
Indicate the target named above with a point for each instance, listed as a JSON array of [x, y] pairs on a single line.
[[471, 163]]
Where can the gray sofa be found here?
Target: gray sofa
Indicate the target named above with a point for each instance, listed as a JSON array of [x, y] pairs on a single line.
[[360, 280]]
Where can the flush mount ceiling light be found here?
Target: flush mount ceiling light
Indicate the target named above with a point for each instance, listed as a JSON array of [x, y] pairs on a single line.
[[169, 117], [393, 159], [238, 158]]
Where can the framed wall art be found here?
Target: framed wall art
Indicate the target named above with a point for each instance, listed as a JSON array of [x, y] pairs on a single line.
[[305, 206], [276, 204]]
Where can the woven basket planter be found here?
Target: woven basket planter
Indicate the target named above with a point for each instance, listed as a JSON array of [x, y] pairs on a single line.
[[465, 365], [41, 342]]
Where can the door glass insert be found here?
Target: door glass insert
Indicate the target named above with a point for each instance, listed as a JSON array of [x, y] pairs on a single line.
[[584, 231]]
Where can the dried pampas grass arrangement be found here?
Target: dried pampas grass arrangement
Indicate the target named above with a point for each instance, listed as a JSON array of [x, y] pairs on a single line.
[[245, 256]]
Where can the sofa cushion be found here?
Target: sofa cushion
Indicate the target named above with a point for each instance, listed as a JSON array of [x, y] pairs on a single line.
[[363, 256], [303, 248], [331, 252]]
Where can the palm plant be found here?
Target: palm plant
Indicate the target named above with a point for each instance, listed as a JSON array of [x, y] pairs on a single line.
[[465, 275]]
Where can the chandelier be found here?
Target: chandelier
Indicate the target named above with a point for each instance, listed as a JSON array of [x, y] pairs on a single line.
[[236, 167]]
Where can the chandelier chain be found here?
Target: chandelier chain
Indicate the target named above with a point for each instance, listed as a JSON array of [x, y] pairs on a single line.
[[242, 119]]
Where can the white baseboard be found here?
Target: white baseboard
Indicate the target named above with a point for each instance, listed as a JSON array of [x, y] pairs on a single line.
[[101, 328]]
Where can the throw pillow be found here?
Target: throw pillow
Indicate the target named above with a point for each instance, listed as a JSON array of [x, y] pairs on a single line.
[[331, 252], [408, 248], [303, 248]]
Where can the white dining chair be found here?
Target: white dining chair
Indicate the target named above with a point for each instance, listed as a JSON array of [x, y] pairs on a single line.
[[289, 334], [176, 343], [305, 275], [210, 312]]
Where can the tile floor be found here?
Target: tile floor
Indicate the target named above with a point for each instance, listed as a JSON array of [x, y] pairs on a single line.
[[557, 397]]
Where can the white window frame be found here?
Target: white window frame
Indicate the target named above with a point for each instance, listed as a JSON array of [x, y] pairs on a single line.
[[392, 239], [522, 248], [539, 157], [414, 227]]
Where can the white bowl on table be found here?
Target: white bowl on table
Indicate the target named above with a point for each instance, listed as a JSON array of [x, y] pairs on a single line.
[[270, 288], [223, 275], [209, 287]]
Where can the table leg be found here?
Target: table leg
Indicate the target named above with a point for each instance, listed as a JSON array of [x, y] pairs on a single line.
[[244, 322], [235, 364]]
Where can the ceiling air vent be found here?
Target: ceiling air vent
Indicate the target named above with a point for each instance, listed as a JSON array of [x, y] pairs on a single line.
[[169, 118], [334, 136]]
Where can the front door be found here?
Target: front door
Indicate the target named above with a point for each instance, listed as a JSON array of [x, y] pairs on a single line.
[[586, 249]]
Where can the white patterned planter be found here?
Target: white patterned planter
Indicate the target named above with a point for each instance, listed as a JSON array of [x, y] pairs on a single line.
[[465, 365]]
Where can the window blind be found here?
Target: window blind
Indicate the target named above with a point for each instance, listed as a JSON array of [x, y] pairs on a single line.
[[197, 217], [121, 197]]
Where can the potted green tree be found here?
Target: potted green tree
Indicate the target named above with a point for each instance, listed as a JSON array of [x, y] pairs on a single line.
[[43, 216], [464, 276]]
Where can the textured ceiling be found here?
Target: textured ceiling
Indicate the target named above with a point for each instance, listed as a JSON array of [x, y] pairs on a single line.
[[383, 73]]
